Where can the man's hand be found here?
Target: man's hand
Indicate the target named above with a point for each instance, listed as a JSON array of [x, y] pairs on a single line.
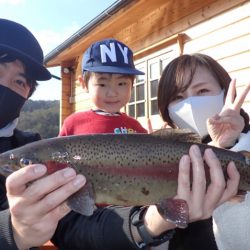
[[37, 202]]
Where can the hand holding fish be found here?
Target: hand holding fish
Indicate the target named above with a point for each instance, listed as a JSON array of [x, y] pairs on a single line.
[[225, 128], [37, 204], [201, 200]]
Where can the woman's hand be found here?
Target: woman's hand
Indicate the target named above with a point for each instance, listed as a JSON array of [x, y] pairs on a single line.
[[37, 202], [225, 128], [201, 198]]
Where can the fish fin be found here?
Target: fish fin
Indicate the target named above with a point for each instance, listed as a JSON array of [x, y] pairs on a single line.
[[83, 201], [182, 135], [247, 156], [175, 211]]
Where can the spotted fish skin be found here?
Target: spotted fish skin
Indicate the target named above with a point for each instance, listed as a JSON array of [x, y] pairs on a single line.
[[125, 169]]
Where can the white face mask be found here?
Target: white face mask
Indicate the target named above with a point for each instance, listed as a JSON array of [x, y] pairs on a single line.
[[194, 111]]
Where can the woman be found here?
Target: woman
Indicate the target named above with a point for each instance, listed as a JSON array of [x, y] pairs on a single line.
[[196, 92]]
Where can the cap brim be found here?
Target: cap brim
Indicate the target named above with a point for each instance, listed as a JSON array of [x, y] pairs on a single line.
[[114, 70], [38, 71]]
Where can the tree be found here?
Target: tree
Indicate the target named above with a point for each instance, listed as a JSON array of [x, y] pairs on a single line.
[[41, 117]]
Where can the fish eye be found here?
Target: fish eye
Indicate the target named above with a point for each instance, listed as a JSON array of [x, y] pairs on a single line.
[[25, 162]]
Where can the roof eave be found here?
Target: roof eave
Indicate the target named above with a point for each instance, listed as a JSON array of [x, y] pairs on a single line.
[[107, 13]]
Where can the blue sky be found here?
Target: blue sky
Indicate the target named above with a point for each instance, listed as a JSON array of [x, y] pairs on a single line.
[[52, 22]]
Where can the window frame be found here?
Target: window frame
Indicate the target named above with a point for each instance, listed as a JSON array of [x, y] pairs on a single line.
[[166, 51]]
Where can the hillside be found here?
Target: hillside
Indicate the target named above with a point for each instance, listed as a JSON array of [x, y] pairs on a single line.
[[41, 117]]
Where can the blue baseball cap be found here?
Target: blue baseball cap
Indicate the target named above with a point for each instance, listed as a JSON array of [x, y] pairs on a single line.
[[109, 56]]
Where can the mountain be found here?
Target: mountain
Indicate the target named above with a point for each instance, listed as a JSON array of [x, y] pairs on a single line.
[[41, 117]]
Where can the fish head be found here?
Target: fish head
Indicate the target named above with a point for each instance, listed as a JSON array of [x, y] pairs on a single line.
[[39, 152], [11, 161]]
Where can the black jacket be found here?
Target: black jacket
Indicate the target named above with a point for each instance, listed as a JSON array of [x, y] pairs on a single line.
[[107, 229], [7, 143]]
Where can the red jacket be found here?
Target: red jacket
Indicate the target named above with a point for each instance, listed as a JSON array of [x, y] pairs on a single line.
[[88, 122]]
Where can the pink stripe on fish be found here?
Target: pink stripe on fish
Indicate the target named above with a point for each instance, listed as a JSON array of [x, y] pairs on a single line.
[[166, 172]]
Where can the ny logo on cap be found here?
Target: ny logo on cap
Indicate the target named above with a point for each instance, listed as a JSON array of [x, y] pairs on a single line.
[[112, 52]]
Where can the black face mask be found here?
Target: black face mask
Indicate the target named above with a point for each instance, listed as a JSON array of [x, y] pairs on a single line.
[[10, 105]]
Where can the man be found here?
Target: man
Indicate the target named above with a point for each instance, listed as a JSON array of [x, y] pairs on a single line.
[[35, 209]]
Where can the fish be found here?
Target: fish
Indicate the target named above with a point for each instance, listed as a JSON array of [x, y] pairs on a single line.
[[121, 169]]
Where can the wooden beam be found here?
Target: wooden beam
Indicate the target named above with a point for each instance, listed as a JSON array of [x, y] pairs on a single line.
[[178, 38]]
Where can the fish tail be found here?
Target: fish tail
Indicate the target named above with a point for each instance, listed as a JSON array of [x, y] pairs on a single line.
[[175, 211]]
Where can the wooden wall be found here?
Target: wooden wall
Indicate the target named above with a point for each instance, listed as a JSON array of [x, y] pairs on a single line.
[[226, 38]]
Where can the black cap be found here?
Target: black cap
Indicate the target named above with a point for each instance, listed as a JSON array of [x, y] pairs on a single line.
[[19, 42]]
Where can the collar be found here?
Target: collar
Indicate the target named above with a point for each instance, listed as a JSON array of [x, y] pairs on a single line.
[[102, 112], [8, 130]]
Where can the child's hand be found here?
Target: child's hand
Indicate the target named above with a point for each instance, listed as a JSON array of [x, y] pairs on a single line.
[[225, 128], [149, 126]]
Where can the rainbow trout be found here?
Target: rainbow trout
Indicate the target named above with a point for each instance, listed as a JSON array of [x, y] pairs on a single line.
[[124, 169]]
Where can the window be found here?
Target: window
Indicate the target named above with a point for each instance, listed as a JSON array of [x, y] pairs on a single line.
[[137, 103], [143, 103], [155, 68]]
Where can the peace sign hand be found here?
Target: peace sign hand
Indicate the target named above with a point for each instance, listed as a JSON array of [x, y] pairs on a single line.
[[225, 128]]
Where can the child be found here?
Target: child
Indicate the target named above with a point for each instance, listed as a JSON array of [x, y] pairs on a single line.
[[108, 75]]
